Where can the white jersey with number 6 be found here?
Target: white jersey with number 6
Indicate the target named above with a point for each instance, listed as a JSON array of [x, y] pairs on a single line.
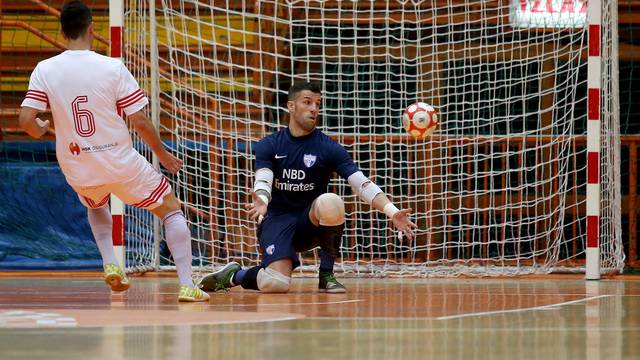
[[88, 94]]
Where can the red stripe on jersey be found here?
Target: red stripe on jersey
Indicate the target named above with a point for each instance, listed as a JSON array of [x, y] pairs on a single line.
[[37, 92], [154, 195], [36, 98], [124, 99], [131, 102]]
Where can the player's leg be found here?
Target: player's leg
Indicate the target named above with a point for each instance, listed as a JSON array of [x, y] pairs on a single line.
[[101, 224], [178, 239], [149, 190], [327, 216], [275, 278], [272, 278], [279, 258]]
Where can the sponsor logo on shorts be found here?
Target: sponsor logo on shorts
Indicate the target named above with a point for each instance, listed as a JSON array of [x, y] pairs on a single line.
[[74, 148], [270, 249]]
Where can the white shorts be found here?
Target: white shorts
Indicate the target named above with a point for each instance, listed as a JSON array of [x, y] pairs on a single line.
[[146, 190]]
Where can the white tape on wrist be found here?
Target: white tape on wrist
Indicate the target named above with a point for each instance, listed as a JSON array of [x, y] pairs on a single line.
[[264, 198], [390, 210], [264, 180]]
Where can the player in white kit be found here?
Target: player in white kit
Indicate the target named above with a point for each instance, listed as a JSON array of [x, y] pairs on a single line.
[[89, 94]]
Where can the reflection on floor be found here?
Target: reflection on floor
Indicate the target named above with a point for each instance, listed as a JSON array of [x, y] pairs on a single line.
[[555, 318]]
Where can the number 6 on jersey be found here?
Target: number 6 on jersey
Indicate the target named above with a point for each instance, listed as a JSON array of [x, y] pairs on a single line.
[[82, 116]]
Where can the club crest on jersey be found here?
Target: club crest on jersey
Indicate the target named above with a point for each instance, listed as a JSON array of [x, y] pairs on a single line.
[[270, 249], [309, 160]]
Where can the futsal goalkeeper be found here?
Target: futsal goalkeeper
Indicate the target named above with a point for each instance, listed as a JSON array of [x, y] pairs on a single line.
[[293, 169]]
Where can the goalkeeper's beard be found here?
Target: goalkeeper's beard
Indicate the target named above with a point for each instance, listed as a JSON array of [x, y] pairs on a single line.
[[308, 123]]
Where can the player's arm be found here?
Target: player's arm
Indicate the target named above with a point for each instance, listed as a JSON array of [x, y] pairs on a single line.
[[261, 192], [370, 193], [148, 133], [132, 102], [35, 101], [31, 124]]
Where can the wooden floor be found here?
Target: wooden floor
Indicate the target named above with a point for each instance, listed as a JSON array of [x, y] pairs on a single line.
[[549, 318]]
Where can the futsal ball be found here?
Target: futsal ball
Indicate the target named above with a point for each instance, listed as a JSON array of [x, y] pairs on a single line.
[[419, 120]]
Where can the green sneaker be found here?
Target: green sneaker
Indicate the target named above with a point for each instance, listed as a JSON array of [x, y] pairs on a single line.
[[192, 294], [221, 279], [329, 284], [114, 277]]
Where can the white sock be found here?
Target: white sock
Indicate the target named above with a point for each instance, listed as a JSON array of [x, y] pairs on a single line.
[[178, 239], [101, 226]]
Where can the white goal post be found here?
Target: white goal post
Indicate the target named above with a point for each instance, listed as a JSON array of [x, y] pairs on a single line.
[[503, 186]]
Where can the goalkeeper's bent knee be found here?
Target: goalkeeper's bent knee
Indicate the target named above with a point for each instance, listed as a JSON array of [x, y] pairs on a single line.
[[329, 209]]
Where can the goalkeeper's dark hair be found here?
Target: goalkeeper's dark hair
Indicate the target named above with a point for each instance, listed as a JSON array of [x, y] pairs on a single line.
[[75, 19], [295, 89]]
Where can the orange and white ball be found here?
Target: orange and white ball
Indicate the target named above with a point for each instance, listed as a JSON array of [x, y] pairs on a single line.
[[420, 120]]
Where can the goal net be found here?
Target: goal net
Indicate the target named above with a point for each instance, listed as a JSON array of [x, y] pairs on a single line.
[[499, 188]]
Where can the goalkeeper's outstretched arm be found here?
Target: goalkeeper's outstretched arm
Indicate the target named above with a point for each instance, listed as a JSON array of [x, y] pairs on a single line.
[[370, 193]]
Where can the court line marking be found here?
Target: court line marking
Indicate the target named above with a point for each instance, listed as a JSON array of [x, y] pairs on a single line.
[[542, 307], [14, 319], [224, 322], [65, 324], [79, 306], [292, 304], [356, 330]]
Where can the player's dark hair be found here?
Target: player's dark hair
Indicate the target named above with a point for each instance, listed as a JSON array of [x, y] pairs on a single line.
[[75, 19], [295, 89]]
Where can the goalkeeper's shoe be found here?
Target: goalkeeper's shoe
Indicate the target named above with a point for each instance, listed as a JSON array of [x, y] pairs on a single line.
[[221, 279], [192, 294], [329, 284], [115, 277]]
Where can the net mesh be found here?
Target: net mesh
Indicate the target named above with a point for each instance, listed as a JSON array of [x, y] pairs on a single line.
[[499, 188]]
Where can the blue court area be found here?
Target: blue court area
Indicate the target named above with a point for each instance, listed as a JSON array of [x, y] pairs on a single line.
[[42, 223]]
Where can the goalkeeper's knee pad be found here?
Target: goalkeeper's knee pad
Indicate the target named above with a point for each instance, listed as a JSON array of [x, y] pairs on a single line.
[[272, 281], [329, 208]]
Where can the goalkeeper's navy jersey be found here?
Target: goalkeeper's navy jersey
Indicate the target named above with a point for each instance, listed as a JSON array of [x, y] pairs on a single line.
[[302, 167]]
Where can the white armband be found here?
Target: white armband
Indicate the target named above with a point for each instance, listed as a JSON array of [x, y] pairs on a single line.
[[263, 183], [364, 187]]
